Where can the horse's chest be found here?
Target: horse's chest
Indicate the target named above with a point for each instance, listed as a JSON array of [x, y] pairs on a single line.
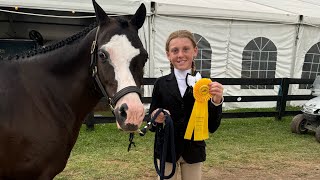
[[32, 152]]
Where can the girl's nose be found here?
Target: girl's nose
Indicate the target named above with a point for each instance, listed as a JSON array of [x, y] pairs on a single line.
[[180, 53]]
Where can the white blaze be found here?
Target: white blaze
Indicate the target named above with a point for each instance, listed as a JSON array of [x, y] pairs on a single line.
[[121, 53]]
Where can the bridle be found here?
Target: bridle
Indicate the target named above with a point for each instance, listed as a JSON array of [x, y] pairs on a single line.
[[118, 95], [94, 69]]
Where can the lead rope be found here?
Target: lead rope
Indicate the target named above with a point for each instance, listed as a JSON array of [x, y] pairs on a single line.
[[131, 136], [164, 135]]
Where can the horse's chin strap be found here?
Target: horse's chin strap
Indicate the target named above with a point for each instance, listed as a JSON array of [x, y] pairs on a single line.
[[94, 71]]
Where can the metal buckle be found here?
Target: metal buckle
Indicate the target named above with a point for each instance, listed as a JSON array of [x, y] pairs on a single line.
[[110, 104], [94, 71], [93, 46]]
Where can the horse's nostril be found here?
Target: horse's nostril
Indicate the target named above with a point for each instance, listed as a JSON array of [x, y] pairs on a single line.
[[123, 109], [123, 114]]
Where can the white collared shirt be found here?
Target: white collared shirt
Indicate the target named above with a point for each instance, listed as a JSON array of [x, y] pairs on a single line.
[[181, 79]]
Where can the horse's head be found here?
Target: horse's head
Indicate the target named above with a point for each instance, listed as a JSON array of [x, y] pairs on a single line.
[[120, 61]]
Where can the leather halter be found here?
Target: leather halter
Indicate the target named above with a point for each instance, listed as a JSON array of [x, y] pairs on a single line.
[[94, 68]]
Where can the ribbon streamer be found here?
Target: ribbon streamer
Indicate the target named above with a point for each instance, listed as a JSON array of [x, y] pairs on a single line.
[[198, 122]]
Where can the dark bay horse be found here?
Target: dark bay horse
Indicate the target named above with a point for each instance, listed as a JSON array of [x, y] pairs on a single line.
[[46, 94]]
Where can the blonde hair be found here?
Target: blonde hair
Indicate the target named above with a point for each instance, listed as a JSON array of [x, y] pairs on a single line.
[[182, 34]]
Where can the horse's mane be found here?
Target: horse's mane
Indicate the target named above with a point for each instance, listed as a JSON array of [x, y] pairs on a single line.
[[44, 49]]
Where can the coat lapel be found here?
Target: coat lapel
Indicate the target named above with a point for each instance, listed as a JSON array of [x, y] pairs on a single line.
[[172, 86]]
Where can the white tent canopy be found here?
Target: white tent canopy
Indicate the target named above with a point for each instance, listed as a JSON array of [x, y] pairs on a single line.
[[286, 11], [229, 26], [122, 7], [229, 9]]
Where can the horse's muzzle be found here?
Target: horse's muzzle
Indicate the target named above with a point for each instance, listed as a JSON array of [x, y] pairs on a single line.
[[126, 120]]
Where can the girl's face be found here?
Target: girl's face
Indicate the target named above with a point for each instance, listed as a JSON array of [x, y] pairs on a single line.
[[181, 53]]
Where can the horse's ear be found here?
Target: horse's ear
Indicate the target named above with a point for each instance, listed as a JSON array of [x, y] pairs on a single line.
[[101, 16], [139, 17]]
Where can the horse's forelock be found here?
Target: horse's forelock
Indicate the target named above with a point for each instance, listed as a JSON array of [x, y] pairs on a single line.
[[123, 22]]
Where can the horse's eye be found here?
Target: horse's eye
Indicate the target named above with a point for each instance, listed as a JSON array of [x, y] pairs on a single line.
[[103, 55]]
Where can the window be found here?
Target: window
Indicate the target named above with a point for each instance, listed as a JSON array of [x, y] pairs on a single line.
[[311, 64], [203, 59], [259, 59]]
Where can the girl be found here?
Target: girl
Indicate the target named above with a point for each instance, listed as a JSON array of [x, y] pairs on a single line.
[[173, 94]]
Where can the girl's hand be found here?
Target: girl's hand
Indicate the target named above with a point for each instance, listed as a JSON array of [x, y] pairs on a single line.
[[216, 90], [161, 117]]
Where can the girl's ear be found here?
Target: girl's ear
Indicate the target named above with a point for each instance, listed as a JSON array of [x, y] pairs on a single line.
[[168, 55], [195, 52]]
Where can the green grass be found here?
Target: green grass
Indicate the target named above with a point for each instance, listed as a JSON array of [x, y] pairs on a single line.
[[241, 141], [104, 152], [247, 142], [288, 108]]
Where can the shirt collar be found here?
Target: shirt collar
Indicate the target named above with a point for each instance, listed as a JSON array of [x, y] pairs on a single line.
[[181, 74]]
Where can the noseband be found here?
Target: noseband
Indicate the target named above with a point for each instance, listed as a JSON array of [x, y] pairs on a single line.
[[94, 69]]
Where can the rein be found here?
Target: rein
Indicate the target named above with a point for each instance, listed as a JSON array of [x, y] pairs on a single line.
[[94, 69], [164, 135]]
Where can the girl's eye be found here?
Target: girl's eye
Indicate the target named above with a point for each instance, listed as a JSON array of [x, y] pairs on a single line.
[[174, 51]]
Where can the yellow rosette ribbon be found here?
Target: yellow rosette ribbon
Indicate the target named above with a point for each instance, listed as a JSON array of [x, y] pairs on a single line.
[[198, 122]]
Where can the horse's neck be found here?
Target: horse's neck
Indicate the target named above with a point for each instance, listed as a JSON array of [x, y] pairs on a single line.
[[84, 98], [69, 68]]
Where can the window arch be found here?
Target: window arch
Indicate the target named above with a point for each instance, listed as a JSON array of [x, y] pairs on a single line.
[[259, 59], [311, 65], [203, 59]]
